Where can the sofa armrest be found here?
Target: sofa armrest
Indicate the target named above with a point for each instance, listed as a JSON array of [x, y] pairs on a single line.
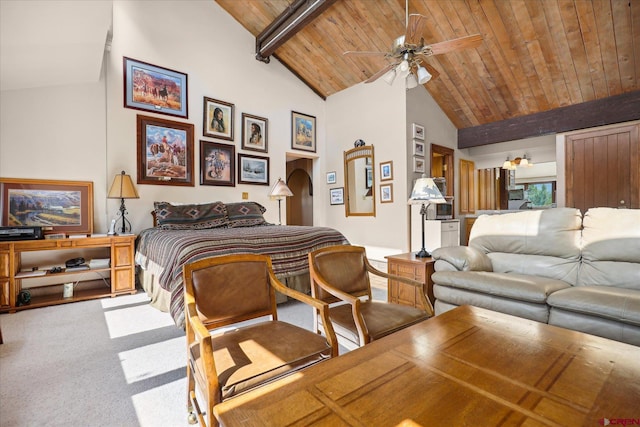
[[461, 258]]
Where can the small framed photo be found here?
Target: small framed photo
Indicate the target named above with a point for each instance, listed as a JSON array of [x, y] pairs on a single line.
[[62, 206], [165, 151], [418, 148], [253, 169], [386, 171], [152, 88], [386, 193], [303, 132], [418, 164], [418, 131], [336, 196], [217, 164], [331, 177], [368, 176], [254, 133], [217, 121]]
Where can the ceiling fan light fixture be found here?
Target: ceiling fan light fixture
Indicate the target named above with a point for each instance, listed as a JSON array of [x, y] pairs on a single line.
[[411, 81], [423, 75], [390, 76], [404, 66]]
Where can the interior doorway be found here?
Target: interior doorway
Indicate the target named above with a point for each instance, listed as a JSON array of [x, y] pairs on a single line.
[[442, 166], [300, 182]]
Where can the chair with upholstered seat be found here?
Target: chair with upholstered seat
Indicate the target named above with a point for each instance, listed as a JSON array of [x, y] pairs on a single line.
[[222, 291], [340, 277]]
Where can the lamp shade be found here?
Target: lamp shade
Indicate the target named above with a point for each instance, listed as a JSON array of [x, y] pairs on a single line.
[[122, 188], [411, 81], [425, 190], [390, 76], [423, 75], [280, 190]]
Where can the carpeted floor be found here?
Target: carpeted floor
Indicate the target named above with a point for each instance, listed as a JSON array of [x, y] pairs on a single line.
[[110, 362]]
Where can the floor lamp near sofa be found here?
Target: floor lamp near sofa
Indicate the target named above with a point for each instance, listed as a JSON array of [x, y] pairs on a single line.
[[425, 192], [280, 191]]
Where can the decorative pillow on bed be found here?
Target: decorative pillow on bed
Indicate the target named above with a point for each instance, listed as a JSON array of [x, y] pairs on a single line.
[[245, 214], [190, 216]]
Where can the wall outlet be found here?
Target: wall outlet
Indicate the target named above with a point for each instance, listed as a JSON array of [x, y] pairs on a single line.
[[67, 291], [245, 195]]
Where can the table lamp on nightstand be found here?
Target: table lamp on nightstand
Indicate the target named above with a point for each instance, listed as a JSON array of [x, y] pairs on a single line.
[[425, 192], [122, 188]]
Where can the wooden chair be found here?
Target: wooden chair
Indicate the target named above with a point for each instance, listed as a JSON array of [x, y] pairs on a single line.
[[225, 290], [340, 277]]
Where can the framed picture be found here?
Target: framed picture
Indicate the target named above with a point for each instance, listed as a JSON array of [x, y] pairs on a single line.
[[217, 164], [386, 171], [336, 196], [254, 133], [418, 164], [386, 193], [217, 119], [418, 148], [152, 88], [331, 177], [418, 131], [61, 206], [165, 152], [303, 132], [253, 169], [368, 176]]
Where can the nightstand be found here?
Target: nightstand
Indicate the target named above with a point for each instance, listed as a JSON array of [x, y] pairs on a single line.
[[409, 266]]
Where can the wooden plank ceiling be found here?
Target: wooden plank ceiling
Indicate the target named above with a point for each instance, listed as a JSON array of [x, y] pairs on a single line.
[[536, 55]]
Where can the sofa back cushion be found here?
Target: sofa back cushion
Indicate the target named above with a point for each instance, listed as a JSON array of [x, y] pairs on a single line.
[[538, 242], [611, 248]]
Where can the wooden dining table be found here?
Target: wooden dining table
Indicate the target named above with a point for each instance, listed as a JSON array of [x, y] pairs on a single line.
[[466, 367]]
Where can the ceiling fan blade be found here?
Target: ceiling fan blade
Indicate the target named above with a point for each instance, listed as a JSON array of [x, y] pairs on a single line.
[[456, 44], [415, 29], [364, 53], [380, 73]]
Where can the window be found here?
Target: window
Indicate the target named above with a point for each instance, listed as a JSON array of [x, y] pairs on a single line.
[[540, 194]]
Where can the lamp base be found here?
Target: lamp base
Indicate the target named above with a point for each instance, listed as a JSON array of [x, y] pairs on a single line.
[[423, 253]]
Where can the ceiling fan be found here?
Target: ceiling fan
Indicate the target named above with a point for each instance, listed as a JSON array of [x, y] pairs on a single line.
[[409, 52]]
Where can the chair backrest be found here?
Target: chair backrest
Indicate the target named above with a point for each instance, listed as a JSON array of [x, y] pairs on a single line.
[[343, 267], [231, 288]]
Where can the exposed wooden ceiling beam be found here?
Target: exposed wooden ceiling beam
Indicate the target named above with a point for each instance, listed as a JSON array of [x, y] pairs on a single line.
[[295, 17], [614, 109]]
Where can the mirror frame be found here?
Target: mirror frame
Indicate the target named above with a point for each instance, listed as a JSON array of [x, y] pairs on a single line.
[[352, 155]]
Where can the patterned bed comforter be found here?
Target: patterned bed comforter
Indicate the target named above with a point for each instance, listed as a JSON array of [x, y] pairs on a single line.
[[167, 251]]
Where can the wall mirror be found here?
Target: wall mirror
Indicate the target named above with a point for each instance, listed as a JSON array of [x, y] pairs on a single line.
[[359, 183]]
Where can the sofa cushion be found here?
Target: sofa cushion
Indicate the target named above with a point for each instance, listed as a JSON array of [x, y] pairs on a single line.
[[611, 248], [462, 258], [618, 304], [614, 330], [520, 287]]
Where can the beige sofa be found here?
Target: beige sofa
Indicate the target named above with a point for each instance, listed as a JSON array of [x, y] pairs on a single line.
[[553, 266]]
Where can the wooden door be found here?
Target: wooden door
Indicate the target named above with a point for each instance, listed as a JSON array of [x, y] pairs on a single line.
[[603, 168], [300, 205], [467, 203]]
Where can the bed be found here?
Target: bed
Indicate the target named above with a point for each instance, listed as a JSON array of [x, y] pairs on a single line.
[[186, 233]]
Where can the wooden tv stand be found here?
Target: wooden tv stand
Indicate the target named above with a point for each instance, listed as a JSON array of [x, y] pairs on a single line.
[[121, 271]]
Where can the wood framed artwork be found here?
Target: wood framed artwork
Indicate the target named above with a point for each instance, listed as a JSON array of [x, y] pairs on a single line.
[[418, 164], [418, 131], [331, 177], [254, 133], [217, 164], [253, 169], [165, 151], [62, 206], [336, 196], [217, 120], [152, 88], [386, 193], [303, 132], [418, 148], [386, 171]]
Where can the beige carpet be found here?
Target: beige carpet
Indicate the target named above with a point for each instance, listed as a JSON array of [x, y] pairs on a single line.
[[110, 362]]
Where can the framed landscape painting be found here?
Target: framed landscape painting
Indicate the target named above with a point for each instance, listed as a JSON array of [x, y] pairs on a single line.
[[62, 206], [152, 88], [217, 163], [165, 152], [253, 169], [303, 132], [217, 120]]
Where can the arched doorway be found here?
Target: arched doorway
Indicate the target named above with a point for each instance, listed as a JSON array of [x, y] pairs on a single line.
[[300, 205]]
